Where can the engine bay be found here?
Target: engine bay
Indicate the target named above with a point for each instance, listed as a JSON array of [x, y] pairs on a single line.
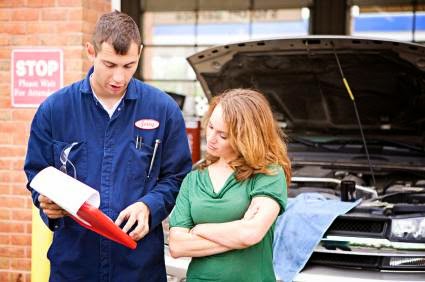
[[396, 192]]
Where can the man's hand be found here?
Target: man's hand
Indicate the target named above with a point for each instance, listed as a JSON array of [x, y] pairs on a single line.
[[50, 209], [136, 212]]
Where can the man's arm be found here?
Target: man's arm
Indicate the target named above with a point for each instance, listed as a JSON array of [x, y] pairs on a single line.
[[246, 232], [182, 243], [39, 156]]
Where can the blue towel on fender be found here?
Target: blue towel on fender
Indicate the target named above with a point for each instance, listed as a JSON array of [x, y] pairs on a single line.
[[300, 228]]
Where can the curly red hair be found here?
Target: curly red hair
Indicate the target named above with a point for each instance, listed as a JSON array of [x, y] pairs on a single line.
[[253, 134]]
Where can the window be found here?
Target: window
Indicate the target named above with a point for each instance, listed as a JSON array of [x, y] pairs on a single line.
[[404, 22], [170, 37]]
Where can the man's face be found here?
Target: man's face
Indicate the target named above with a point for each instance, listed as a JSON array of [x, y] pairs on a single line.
[[112, 72]]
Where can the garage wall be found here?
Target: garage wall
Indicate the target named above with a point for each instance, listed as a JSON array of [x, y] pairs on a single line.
[[64, 24]]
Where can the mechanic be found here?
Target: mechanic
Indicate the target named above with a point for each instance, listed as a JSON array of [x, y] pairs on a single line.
[[125, 139]]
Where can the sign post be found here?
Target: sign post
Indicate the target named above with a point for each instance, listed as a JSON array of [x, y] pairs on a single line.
[[36, 73]]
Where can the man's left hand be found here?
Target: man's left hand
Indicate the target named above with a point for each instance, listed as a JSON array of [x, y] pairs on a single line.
[[137, 212]]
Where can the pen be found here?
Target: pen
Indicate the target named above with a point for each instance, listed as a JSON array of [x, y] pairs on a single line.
[[139, 142], [155, 148]]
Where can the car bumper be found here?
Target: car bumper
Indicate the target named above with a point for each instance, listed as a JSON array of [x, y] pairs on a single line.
[[176, 272], [334, 274]]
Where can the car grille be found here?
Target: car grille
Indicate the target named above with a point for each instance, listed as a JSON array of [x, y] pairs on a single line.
[[359, 226], [346, 260], [369, 261], [352, 225]]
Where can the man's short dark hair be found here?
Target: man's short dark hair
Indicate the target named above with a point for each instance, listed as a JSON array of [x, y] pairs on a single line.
[[117, 29]]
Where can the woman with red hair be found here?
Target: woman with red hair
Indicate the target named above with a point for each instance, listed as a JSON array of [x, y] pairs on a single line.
[[225, 211]]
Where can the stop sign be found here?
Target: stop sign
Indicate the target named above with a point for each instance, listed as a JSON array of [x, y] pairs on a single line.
[[36, 73]]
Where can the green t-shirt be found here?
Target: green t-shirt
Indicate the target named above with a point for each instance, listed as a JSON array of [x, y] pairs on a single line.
[[198, 203]]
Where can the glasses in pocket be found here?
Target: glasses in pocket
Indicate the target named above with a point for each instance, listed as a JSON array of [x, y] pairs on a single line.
[[64, 159]]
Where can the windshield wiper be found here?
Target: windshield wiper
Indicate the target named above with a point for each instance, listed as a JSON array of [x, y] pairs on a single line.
[[411, 147], [344, 142], [313, 144]]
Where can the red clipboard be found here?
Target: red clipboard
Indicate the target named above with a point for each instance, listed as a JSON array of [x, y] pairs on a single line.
[[103, 225]]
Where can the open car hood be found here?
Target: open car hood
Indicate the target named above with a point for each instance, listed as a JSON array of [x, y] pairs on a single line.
[[302, 80]]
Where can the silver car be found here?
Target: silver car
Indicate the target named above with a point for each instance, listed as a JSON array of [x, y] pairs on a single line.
[[354, 113]]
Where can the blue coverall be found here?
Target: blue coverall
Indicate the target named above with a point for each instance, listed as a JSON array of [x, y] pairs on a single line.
[[106, 158]]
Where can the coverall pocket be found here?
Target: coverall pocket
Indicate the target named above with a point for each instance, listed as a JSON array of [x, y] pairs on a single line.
[[75, 161], [139, 162]]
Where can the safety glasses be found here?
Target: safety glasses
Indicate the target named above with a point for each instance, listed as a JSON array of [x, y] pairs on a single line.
[[64, 160]]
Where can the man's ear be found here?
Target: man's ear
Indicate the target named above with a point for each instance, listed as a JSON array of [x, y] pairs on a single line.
[[140, 51], [91, 52]]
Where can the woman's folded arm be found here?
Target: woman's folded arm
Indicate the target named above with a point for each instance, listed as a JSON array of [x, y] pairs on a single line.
[[183, 243], [245, 232]]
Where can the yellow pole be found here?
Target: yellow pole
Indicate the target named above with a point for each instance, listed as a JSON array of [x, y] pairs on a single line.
[[41, 240]]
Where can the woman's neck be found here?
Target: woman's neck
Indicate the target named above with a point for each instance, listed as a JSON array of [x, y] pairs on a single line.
[[223, 163]]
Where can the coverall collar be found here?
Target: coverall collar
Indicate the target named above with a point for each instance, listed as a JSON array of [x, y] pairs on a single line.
[[131, 92]]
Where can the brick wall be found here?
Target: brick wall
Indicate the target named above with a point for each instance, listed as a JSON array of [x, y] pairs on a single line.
[[65, 24]]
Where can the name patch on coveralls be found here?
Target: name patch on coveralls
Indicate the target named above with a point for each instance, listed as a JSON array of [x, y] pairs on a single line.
[[147, 124]]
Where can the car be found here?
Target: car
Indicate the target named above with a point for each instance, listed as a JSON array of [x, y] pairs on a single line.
[[353, 110]]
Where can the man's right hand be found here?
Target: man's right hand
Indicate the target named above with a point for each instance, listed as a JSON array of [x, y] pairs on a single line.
[[50, 209]]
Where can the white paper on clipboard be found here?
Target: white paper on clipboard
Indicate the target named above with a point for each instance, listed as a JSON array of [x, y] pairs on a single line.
[[67, 192]]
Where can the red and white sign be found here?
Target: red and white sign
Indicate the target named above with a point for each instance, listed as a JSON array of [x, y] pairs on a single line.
[[36, 73]]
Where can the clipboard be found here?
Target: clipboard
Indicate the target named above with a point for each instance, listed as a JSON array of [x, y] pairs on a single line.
[[103, 225], [81, 202]]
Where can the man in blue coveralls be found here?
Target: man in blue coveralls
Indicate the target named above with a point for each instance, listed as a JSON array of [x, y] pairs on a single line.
[[125, 139]]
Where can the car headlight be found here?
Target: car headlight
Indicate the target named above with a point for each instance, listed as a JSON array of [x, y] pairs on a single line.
[[406, 262], [408, 229]]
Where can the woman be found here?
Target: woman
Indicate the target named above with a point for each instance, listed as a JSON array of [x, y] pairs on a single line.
[[225, 211]]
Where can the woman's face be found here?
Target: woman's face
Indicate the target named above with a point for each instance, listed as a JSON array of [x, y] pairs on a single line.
[[218, 144]]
